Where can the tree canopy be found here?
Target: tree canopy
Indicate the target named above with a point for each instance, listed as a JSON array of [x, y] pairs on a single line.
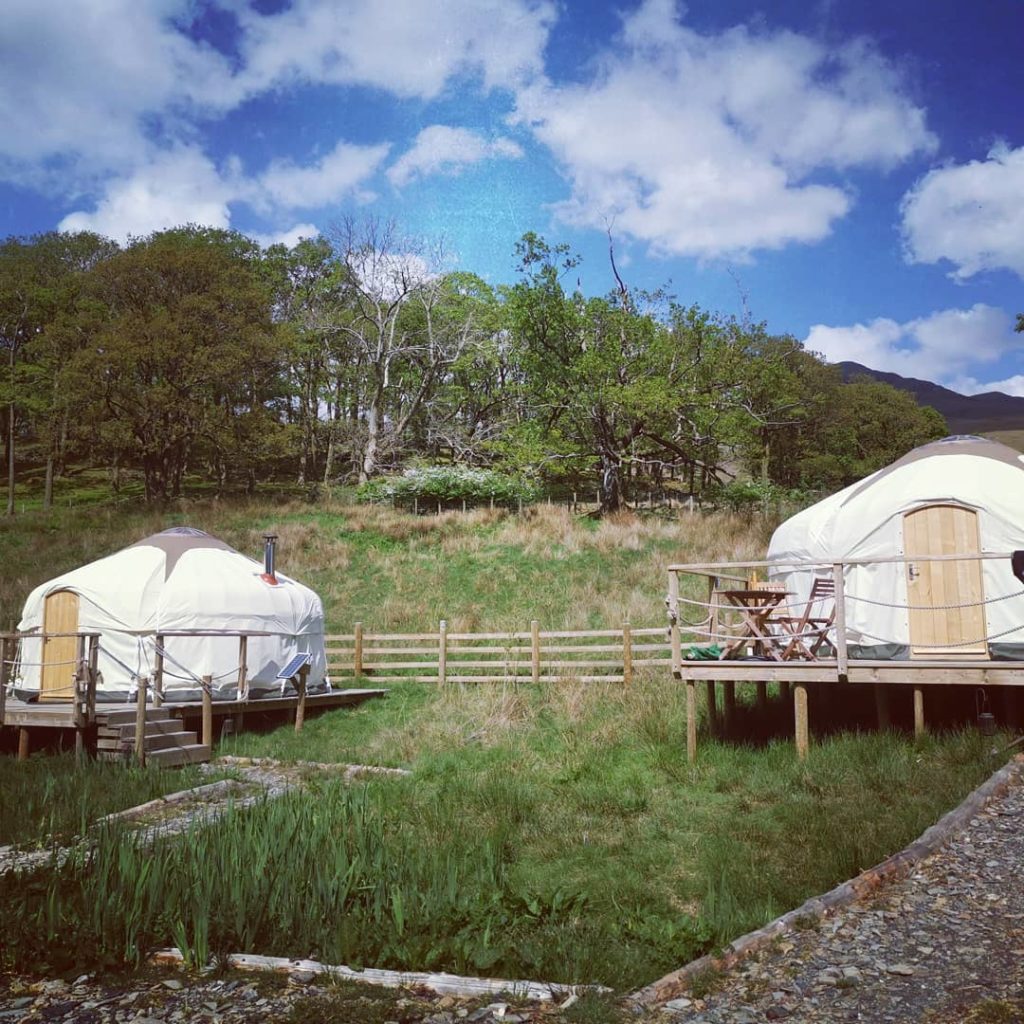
[[196, 352]]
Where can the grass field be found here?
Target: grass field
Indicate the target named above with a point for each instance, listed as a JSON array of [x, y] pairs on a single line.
[[555, 832]]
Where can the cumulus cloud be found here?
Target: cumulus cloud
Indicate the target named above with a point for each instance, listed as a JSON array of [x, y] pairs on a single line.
[[970, 214], [178, 187], [441, 149], [339, 174], [706, 144], [78, 79], [405, 47], [943, 346]]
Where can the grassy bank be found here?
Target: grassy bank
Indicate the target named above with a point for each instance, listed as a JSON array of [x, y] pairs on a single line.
[[395, 571]]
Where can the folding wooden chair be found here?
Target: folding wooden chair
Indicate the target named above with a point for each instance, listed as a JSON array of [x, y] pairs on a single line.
[[808, 632]]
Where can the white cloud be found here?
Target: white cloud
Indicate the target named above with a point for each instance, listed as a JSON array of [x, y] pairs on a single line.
[[78, 78], [443, 149], [339, 174], [406, 47], [1010, 386], [970, 214], [705, 144], [941, 347], [289, 238], [178, 187]]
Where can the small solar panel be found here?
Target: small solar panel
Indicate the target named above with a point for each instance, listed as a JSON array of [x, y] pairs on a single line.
[[292, 668]]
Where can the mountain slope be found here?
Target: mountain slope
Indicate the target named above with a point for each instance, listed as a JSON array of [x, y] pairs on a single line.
[[965, 414]]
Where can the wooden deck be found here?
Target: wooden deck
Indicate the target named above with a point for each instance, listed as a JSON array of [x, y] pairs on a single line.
[[60, 714]]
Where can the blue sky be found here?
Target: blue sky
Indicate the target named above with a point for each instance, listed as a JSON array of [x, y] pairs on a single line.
[[849, 171]]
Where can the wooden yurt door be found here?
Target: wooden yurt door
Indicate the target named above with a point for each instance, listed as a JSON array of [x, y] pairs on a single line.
[[937, 631], [57, 674]]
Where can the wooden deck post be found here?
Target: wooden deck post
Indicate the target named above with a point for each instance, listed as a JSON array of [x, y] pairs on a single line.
[[762, 696], [673, 622], [142, 684], [208, 711], [691, 721], [5, 645], [535, 650], [840, 599], [357, 652], [882, 706], [158, 672], [712, 707], [627, 655], [801, 720], [729, 703], [784, 691], [442, 654], [23, 744], [919, 729], [300, 708], [243, 667]]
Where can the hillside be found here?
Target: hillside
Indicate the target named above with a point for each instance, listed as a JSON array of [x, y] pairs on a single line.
[[965, 414]]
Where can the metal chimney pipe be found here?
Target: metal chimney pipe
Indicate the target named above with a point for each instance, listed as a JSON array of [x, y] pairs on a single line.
[[269, 550]]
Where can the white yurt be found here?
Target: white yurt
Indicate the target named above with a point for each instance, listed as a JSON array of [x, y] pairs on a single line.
[[960, 495], [180, 581]]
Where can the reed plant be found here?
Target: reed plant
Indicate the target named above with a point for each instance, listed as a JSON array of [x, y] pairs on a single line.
[[51, 799]]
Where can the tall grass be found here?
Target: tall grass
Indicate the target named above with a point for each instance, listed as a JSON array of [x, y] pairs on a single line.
[[51, 799]]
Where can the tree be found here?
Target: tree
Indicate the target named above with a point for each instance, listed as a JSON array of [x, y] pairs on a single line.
[[182, 353], [402, 343]]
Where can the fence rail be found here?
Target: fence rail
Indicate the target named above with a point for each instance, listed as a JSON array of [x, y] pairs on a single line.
[[534, 655]]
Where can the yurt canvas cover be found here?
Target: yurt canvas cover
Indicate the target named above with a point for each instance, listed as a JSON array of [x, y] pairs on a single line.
[[179, 580], [955, 496]]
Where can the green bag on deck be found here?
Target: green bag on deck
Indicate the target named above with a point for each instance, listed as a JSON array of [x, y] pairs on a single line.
[[712, 652]]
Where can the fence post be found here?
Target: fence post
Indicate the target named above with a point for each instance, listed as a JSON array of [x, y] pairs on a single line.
[[442, 653], [300, 708], [142, 683], [357, 652], [627, 655], [243, 667], [158, 672], [208, 711], [535, 650]]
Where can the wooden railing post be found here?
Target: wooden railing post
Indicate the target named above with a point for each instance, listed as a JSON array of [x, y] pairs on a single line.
[[442, 653], [81, 689], [140, 720], [300, 708], [158, 672], [357, 654], [243, 667], [627, 655], [673, 622], [535, 650], [837, 577], [208, 711]]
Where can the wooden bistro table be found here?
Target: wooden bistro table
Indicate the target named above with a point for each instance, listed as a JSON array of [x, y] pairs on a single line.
[[755, 608]]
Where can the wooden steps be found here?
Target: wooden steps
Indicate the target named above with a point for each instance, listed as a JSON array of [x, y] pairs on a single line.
[[165, 742]]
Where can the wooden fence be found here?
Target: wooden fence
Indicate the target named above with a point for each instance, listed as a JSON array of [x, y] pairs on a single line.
[[592, 655]]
